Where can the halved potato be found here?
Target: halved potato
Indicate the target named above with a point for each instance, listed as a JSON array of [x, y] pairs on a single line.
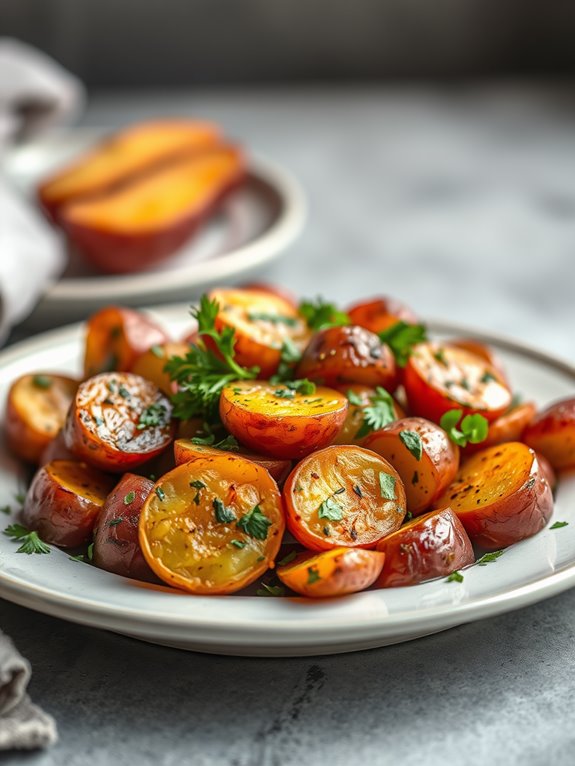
[[360, 397], [332, 573], [152, 363], [378, 314], [278, 421], [64, 500], [552, 433]]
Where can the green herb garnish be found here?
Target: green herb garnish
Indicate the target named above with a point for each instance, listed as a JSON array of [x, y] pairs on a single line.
[[223, 515], [30, 541], [199, 485], [42, 381], [455, 577], [488, 558], [156, 414], [238, 543], [255, 523], [559, 525], [379, 413], [129, 498], [412, 441], [160, 493], [387, 486], [115, 522], [330, 509], [290, 356], [270, 590], [262, 316], [320, 315], [401, 338], [473, 428], [287, 559], [313, 575]]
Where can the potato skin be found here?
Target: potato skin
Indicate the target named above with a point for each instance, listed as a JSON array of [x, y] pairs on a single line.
[[508, 427], [288, 431], [500, 495], [102, 426], [337, 572], [116, 337], [424, 479], [351, 354], [381, 313], [552, 433], [56, 450], [116, 545], [349, 476], [433, 545], [462, 381], [35, 413], [64, 500]]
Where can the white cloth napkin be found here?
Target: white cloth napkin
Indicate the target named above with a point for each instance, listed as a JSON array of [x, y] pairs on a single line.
[[22, 724], [35, 93]]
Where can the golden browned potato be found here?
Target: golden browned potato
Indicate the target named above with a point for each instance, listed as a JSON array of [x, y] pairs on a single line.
[[552, 433], [332, 573], [151, 364]]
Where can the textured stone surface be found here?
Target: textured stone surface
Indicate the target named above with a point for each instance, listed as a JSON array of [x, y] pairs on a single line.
[[463, 204]]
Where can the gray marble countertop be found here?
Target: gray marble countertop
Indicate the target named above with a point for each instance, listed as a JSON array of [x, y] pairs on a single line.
[[462, 203]]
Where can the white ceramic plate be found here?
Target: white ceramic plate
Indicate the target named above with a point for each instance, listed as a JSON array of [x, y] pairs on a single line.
[[248, 625], [255, 225]]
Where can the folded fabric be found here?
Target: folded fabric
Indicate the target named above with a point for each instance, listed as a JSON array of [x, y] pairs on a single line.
[[22, 724], [35, 93]]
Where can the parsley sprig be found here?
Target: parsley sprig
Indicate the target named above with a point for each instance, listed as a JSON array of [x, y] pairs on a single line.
[[472, 429], [202, 373], [379, 413], [30, 541], [401, 338], [320, 315]]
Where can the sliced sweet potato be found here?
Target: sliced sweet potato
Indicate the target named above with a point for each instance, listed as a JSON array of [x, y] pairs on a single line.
[[433, 545], [213, 525], [118, 421], [123, 156], [64, 500], [278, 421], [500, 495], [143, 222], [343, 496], [552, 433], [36, 409], [332, 573]]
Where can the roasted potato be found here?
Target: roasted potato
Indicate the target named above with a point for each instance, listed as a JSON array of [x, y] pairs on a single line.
[[116, 545], [279, 292], [439, 377], [332, 573], [118, 421], [422, 454], [152, 363], [500, 495], [64, 500], [343, 496], [380, 314], [116, 337], [433, 545], [213, 525], [339, 356], [508, 427], [56, 450], [360, 398], [552, 433], [36, 409], [482, 350], [278, 421], [262, 323]]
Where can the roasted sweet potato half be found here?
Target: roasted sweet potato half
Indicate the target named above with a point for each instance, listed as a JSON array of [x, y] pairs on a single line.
[[422, 454], [116, 337], [341, 355], [144, 222], [118, 421], [380, 313], [64, 500], [262, 323], [552, 433], [508, 427], [500, 495], [185, 450], [433, 545], [439, 377], [332, 573], [116, 545], [278, 421], [36, 409], [124, 156], [343, 496], [152, 363], [213, 525], [360, 398]]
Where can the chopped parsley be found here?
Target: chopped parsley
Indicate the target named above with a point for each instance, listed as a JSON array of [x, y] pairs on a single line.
[[223, 515], [199, 485], [387, 486], [287, 559], [160, 493], [270, 590], [6, 509], [255, 523], [401, 338], [115, 522], [156, 414], [30, 541], [489, 558], [455, 577], [313, 575], [229, 443], [42, 381], [330, 509], [440, 357], [129, 498], [290, 356], [379, 413], [559, 525], [238, 543], [320, 315], [472, 429], [412, 441]]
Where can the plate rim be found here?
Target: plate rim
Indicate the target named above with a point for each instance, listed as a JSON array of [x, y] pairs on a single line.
[[306, 633]]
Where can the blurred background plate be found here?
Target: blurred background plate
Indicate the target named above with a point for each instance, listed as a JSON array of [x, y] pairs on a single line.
[[255, 225]]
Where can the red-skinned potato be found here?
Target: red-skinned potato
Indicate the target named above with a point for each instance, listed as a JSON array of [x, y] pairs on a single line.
[[212, 526], [439, 377], [552, 433], [64, 500], [508, 427], [124, 156], [262, 322], [341, 355], [380, 313], [422, 454], [500, 495], [433, 545], [116, 545], [185, 450], [332, 573], [343, 496], [36, 409], [116, 337], [145, 221], [56, 450], [151, 364], [274, 420], [118, 421], [482, 350], [279, 292], [359, 398], [547, 470]]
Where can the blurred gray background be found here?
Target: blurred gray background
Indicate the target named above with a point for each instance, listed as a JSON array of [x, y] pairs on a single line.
[[147, 43]]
